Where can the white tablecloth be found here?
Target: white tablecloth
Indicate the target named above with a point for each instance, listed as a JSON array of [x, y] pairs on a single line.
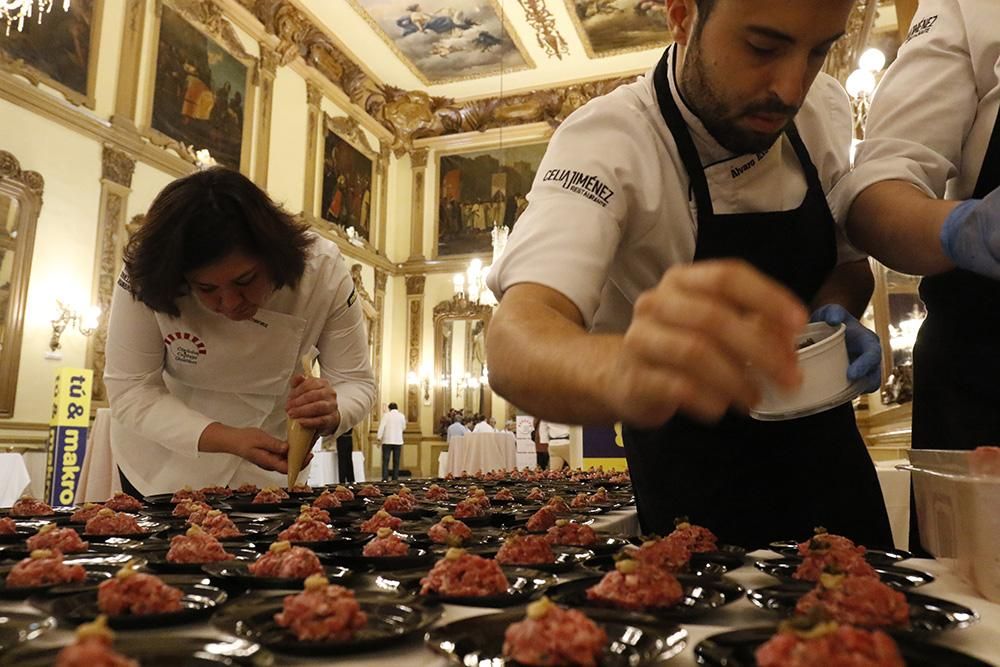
[[325, 469], [14, 478], [473, 452], [99, 478], [981, 640], [896, 491]]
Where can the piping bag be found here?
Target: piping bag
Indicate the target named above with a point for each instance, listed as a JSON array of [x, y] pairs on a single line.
[[300, 439]]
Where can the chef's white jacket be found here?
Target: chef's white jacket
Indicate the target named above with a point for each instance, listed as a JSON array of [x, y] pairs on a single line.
[[609, 211], [169, 378], [390, 429], [483, 427], [935, 108]]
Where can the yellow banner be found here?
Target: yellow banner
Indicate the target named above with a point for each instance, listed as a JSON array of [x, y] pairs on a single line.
[[68, 430]]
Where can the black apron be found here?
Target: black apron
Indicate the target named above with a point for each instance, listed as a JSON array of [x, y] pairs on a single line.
[[955, 362], [752, 482]]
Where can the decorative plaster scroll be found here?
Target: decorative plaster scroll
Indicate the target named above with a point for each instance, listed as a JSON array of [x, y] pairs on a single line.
[[543, 23], [209, 15], [842, 59], [415, 328], [11, 168], [415, 285], [117, 166], [460, 308], [349, 129]]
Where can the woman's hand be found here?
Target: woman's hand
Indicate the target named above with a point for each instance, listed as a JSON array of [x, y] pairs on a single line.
[[313, 404], [252, 444]]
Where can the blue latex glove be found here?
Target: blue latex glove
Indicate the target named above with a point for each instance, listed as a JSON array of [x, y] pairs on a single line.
[[970, 235], [864, 350]]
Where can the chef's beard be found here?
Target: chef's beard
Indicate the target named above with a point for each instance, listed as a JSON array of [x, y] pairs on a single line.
[[718, 115]]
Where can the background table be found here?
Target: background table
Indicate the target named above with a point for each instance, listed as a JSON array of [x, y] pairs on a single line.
[[14, 478], [481, 451], [325, 469]]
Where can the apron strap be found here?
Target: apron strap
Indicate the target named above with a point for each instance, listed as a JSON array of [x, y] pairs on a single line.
[[989, 173]]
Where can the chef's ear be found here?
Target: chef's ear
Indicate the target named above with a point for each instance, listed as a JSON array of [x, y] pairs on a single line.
[[681, 15]]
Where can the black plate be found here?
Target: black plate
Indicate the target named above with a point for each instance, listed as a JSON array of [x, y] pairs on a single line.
[[736, 648], [161, 513], [164, 499], [356, 560], [636, 639], [344, 540], [525, 585], [721, 561], [199, 601], [240, 505], [94, 576], [485, 537], [701, 596], [389, 621], [161, 651], [567, 560], [157, 560], [19, 536], [59, 515], [706, 568], [927, 614], [18, 626], [151, 528], [255, 530], [873, 556], [894, 575], [237, 573]]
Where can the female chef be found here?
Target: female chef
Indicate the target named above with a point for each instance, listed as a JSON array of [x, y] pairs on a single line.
[[926, 201], [221, 295]]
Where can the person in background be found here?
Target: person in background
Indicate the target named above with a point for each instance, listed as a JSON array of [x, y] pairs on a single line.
[[483, 426], [541, 448], [345, 453], [678, 232], [390, 436], [221, 296], [924, 199], [457, 429], [556, 439]]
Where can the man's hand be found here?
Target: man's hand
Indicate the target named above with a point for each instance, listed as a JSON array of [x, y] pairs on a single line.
[[313, 403], [864, 350], [252, 444], [694, 337], [970, 235]]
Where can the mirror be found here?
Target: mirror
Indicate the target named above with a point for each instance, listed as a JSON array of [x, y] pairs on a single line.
[[20, 203], [460, 359]]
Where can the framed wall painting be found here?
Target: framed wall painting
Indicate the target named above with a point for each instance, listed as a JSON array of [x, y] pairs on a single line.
[[348, 185], [202, 89], [610, 27], [61, 51], [479, 189], [441, 41]]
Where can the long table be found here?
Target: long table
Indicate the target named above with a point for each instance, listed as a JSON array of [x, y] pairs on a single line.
[[982, 640]]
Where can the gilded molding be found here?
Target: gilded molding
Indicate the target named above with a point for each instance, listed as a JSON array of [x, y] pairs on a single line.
[[11, 168], [415, 285], [543, 23], [418, 158], [348, 128], [269, 60], [460, 308], [414, 325], [210, 16], [842, 59], [314, 94], [117, 166], [381, 279], [108, 256]]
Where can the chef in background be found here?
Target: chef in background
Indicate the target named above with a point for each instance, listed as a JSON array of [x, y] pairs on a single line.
[[221, 295], [923, 199]]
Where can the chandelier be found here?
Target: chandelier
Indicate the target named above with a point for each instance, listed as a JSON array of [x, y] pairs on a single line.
[[17, 11]]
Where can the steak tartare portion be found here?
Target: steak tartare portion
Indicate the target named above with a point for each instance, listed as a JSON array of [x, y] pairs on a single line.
[[196, 546], [186, 508], [503, 496], [571, 534], [536, 495], [386, 543], [217, 491], [558, 505], [667, 554], [327, 500], [826, 552], [187, 493], [381, 519], [272, 495], [322, 612], [370, 491], [634, 585], [436, 492], [552, 635], [541, 520], [315, 513], [344, 494], [283, 561], [85, 513], [450, 531], [461, 574], [521, 549], [395, 504], [136, 593], [470, 509], [307, 530], [580, 500], [44, 568], [698, 539], [247, 489], [216, 524], [27, 506], [92, 648], [122, 502], [110, 522], [7, 526], [829, 645], [65, 540], [863, 601]]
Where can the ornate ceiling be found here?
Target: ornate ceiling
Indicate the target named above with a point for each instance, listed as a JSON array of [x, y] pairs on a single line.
[[457, 48]]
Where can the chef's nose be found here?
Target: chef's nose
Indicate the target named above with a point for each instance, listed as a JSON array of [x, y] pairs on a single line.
[[229, 300], [789, 80]]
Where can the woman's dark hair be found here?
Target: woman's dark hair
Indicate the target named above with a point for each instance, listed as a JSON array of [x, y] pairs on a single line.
[[198, 220]]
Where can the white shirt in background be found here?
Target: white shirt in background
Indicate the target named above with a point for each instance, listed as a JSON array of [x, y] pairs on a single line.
[[484, 427], [391, 427], [457, 430], [549, 431]]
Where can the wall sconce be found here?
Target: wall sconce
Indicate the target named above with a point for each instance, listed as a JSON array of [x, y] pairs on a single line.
[[422, 380], [86, 322]]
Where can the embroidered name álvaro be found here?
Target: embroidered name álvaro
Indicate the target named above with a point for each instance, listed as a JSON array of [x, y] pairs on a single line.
[[589, 186]]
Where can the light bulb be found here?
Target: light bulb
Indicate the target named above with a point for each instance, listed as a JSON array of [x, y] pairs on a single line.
[[860, 83], [872, 60]]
